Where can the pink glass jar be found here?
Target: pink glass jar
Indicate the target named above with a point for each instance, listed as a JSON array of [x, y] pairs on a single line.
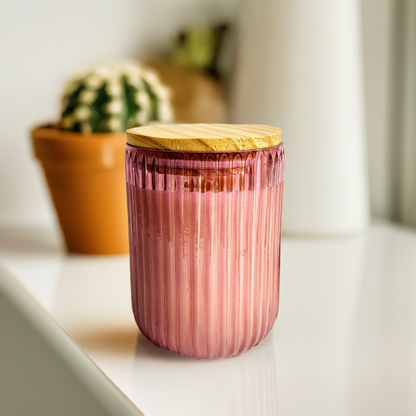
[[204, 230]]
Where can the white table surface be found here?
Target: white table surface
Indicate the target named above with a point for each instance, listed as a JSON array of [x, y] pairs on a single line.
[[344, 342]]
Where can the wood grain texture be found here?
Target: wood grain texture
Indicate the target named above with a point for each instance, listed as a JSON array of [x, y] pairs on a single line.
[[204, 137]]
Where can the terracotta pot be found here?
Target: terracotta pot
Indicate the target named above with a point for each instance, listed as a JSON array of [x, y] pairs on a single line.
[[85, 175]]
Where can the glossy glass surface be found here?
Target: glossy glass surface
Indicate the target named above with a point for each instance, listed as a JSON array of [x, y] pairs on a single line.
[[204, 233]]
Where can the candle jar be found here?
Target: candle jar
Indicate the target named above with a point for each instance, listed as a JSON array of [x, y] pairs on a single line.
[[204, 207]]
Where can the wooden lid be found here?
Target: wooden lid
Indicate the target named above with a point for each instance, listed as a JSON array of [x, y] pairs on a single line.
[[204, 137]]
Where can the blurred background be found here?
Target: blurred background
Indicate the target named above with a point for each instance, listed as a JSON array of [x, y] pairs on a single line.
[[359, 56]]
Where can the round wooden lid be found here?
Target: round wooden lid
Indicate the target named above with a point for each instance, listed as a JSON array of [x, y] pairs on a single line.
[[204, 137]]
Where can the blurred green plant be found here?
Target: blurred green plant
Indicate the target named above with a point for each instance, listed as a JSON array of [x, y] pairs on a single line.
[[197, 48], [111, 99]]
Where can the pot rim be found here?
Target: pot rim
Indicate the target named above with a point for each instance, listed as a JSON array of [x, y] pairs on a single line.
[[62, 149], [53, 131]]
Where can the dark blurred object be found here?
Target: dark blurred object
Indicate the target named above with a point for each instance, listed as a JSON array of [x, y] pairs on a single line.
[[194, 74], [199, 48]]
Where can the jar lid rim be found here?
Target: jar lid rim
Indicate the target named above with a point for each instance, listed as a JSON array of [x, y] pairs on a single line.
[[204, 137]]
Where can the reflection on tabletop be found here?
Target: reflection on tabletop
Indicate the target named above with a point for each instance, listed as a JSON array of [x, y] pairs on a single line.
[[243, 385]]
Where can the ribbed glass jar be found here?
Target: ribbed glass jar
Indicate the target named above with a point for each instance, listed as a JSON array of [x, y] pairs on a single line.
[[204, 230]]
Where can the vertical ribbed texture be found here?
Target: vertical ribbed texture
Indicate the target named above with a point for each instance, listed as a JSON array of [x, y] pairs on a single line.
[[204, 234], [255, 383]]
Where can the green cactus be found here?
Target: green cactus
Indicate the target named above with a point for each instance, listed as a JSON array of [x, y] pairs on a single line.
[[111, 99]]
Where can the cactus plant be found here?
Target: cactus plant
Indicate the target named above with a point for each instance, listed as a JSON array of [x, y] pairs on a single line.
[[111, 99]]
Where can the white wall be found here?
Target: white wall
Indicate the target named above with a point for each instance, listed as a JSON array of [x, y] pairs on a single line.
[[43, 42], [377, 16]]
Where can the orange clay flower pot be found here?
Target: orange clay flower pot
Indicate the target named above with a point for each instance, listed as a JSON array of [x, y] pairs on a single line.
[[85, 174]]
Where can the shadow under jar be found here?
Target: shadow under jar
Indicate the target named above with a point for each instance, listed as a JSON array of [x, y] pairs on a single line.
[[204, 232]]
